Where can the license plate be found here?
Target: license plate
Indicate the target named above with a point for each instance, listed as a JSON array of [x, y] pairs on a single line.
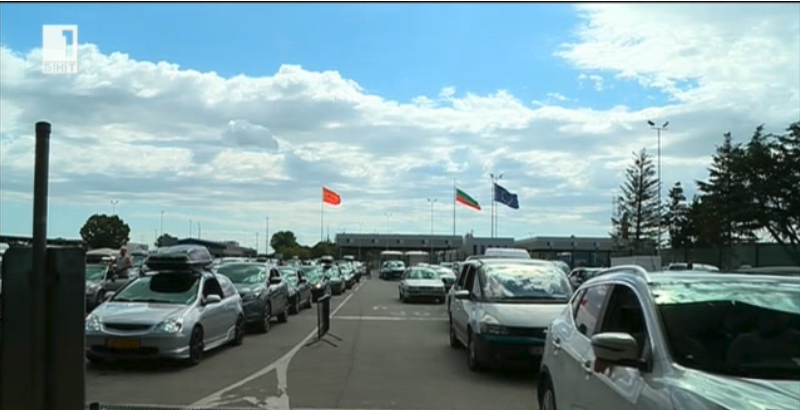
[[537, 351], [123, 344]]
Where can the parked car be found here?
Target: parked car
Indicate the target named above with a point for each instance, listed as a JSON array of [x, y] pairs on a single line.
[[421, 282], [265, 295], [580, 275], [446, 275], [392, 270], [500, 309], [691, 340], [335, 279], [179, 312], [347, 275], [299, 288], [319, 283]]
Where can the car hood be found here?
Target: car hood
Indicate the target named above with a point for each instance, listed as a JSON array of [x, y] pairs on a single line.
[[246, 288], [524, 314], [437, 283], [735, 392], [129, 312]]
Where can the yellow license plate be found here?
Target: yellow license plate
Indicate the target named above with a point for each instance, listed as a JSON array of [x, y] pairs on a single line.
[[123, 344]]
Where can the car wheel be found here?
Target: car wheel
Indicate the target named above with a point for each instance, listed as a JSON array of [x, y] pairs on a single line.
[[238, 335], [196, 347], [284, 316], [266, 319], [547, 398], [454, 343], [472, 356], [294, 305]]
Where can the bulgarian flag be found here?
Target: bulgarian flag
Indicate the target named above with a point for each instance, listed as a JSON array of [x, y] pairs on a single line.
[[464, 199]]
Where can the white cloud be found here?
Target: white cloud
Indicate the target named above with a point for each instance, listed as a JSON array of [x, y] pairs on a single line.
[[237, 149]]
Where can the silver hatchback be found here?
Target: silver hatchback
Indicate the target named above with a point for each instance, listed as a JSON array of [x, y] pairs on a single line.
[[166, 316]]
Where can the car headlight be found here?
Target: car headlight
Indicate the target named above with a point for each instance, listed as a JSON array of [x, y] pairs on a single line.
[[92, 324], [491, 326], [318, 286], [92, 287], [170, 326]]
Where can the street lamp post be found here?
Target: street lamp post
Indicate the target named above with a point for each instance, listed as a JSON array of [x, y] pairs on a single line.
[[660, 205], [493, 208], [432, 201], [114, 203], [387, 215], [266, 240]]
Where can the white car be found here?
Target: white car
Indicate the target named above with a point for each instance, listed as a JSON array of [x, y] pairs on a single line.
[[421, 283], [675, 341]]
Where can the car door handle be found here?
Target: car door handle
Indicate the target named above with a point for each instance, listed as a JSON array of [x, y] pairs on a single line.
[[587, 367], [557, 344]]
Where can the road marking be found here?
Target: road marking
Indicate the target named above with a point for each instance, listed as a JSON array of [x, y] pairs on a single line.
[[281, 368], [392, 318]]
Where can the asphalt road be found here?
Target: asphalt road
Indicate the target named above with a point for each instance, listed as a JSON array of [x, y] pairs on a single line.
[[390, 356]]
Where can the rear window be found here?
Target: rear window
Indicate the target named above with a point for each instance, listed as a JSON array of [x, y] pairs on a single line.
[[525, 282], [177, 288]]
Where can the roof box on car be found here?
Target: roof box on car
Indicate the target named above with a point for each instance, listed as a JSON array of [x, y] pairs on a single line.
[[179, 257]]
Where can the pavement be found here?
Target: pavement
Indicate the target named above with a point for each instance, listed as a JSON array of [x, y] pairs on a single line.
[[384, 355]]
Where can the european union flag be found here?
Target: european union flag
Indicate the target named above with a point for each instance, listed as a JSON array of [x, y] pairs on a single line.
[[504, 197]]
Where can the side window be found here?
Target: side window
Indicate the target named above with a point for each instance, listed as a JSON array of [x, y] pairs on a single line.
[[470, 278], [211, 287], [228, 290], [624, 314], [576, 300], [273, 273], [476, 284], [462, 277], [590, 306]]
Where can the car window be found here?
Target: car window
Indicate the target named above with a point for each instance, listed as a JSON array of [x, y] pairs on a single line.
[[211, 287], [589, 308], [174, 288], [624, 314], [96, 272], [470, 278], [576, 300], [518, 281], [462, 277], [228, 290], [476, 284], [243, 273], [738, 328], [421, 274]]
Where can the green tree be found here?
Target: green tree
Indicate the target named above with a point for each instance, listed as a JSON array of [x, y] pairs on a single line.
[[282, 241], [769, 168], [726, 198], [324, 248], [638, 207], [676, 218], [165, 240], [105, 231]]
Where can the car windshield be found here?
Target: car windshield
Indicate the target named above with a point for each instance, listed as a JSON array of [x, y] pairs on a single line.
[[174, 288], [421, 274], [525, 282], [737, 328], [445, 272], [289, 275], [95, 273], [395, 264], [244, 273], [312, 273]]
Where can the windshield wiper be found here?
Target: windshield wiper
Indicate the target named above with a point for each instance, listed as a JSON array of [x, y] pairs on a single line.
[[151, 300]]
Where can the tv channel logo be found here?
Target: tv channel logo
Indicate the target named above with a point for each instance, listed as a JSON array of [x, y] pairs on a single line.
[[59, 49]]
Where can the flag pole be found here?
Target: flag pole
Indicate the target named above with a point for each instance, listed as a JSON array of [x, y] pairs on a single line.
[[455, 196], [491, 206], [322, 217]]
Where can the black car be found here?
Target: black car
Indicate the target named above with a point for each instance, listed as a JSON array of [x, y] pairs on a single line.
[[299, 289], [318, 283], [392, 270]]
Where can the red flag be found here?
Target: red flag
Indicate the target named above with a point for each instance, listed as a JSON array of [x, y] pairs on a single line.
[[331, 198]]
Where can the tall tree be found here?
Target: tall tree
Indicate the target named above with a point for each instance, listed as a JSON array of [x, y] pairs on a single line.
[[165, 240], [769, 168], [282, 241], [638, 204], [725, 196], [105, 231], [676, 218]]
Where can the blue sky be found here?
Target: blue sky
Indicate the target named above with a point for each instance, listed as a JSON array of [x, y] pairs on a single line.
[[552, 94]]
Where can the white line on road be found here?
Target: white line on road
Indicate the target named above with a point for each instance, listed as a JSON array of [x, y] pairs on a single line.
[[392, 318], [281, 368]]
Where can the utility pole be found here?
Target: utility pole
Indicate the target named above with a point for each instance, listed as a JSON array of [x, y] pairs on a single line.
[[387, 215], [114, 203], [432, 201], [266, 240], [493, 208], [660, 205]]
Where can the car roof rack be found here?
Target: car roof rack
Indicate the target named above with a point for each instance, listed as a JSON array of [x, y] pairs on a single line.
[[635, 269], [180, 258]]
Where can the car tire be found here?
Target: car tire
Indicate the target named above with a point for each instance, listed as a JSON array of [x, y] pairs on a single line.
[[284, 316], [547, 398], [294, 305], [472, 354], [196, 347], [238, 336], [266, 319], [454, 343]]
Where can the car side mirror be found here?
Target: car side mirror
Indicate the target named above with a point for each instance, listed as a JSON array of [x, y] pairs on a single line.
[[618, 349], [274, 280], [462, 295], [212, 299], [108, 296], [302, 280]]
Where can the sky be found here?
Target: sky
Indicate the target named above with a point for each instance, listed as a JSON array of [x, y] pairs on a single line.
[[234, 116]]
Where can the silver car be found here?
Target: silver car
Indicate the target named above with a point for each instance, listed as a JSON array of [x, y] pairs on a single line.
[[421, 283], [166, 315]]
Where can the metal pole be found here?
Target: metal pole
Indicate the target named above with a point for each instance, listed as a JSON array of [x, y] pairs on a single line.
[[455, 195], [114, 203], [658, 235], [162, 222], [38, 305], [266, 240], [491, 207], [387, 215]]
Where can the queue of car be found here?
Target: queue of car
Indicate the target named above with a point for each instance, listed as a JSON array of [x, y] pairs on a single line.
[[179, 302]]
